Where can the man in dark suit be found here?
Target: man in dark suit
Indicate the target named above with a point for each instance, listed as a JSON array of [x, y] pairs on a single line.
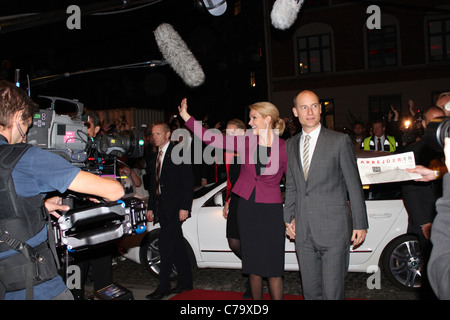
[[317, 212], [439, 263], [420, 197], [170, 199]]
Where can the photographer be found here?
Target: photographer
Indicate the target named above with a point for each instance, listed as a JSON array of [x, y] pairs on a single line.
[[28, 269], [439, 263], [420, 197]]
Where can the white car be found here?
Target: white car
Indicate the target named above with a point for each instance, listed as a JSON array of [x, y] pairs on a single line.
[[387, 244]]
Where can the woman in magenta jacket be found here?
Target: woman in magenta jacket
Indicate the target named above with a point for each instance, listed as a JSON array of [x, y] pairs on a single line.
[[260, 207]]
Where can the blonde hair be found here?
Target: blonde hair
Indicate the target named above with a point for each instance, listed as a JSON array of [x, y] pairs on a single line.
[[265, 109]]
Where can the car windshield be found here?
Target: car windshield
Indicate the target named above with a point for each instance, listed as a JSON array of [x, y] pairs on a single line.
[[204, 190], [383, 191]]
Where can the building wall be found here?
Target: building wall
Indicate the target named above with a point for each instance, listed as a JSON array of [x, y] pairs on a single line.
[[354, 99], [351, 83], [135, 117]]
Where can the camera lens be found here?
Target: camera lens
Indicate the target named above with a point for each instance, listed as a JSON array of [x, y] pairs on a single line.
[[129, 143], [437, 130]]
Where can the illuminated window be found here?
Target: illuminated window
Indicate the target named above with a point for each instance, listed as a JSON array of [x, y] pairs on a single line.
[[382, 47], [439, 39], [314, 54], [252, 79], [237, 7], [328, 113], [380, 106], [259, 49]]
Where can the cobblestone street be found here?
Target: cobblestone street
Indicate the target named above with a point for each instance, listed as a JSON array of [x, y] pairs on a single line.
[[131, 274]]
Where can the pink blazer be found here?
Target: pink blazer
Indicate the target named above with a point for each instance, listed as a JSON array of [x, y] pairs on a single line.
[[267, 184]]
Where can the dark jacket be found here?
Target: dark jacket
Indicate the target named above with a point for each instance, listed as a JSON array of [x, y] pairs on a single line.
[[176, 183]]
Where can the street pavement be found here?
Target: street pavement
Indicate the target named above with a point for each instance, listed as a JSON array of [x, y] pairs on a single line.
[[137, 279]]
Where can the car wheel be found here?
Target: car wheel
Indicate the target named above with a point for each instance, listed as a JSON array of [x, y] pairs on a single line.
[[402, 263], [150, 258]]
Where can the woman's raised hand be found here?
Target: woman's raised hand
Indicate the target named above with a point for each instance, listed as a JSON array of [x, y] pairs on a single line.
[[182, 109]]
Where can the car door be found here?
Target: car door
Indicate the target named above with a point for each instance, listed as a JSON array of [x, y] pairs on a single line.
[[385, 209], [212, 238], [213, 243]]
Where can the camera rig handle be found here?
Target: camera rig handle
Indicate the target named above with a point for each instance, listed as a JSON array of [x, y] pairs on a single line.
[[96, 224], [78, 104]]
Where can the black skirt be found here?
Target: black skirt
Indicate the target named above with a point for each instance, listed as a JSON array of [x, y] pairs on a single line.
[[262, 235], [232, 221]]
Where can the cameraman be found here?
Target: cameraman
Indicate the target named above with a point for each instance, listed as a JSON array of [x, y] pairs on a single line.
[[28, 270], [439, 263], [98, 259]]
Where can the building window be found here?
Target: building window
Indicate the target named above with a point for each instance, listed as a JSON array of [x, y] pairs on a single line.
[[314, 53], [252, 79], [237, 7], [380, 106], [382, 47], [328, 113], [439, 39]]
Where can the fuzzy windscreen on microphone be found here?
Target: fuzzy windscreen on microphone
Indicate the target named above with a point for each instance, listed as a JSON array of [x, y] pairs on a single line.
[[177, 54], [284, 13]]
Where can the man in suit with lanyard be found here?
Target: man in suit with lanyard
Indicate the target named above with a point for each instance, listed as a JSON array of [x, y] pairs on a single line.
[[321, 173], [170, 200]]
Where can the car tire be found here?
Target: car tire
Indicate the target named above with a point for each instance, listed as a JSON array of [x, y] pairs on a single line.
[[401, 262], [149, 254]]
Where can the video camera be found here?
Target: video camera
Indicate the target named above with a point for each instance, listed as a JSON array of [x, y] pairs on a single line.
[[88, 224], [437, 130], [68, 136]]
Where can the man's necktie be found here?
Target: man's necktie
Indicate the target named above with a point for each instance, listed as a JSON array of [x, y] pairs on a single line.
[[306, 156], [158, 171], [379, 145]]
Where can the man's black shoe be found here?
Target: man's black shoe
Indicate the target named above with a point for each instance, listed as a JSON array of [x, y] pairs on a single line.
[[156, 295], [248, 291], [179, 289]]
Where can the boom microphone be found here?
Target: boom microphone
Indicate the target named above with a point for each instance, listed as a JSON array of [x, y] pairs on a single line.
[[284, 13], [177, 54]]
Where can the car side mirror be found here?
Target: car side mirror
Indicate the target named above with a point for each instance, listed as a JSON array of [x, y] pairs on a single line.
[[218, 199]]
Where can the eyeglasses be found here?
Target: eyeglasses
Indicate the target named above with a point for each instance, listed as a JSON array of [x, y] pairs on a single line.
[[313, 107]]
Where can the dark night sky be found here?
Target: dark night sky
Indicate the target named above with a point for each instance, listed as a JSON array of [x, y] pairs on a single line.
[[119, 39]]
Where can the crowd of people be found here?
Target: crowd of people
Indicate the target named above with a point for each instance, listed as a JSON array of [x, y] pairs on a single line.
[[392, 133], [314, 160]]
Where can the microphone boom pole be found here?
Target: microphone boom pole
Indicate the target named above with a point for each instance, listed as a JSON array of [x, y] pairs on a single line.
[[146, 64], [29, 20]]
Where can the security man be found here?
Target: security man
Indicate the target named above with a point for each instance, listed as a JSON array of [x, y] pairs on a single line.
[[379, 141]]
